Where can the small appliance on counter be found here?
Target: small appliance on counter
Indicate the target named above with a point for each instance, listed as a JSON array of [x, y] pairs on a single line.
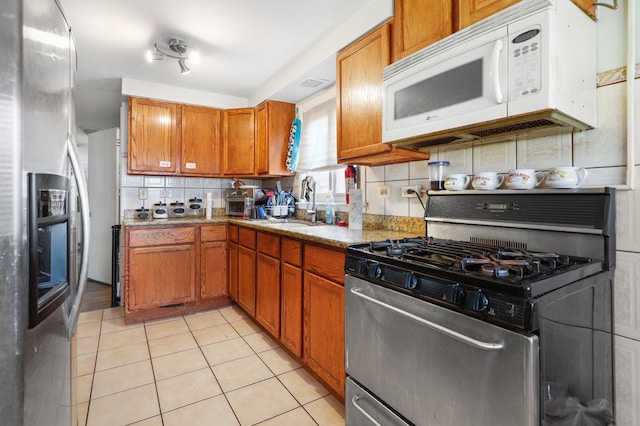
[[235, 198], [160, 211]]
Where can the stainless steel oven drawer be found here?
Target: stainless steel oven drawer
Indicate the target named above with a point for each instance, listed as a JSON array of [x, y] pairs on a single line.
[[435, 366], [363, 409]]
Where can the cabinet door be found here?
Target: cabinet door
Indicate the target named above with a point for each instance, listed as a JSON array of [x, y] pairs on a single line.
[[472, 11], [273, 123], [268, 294], [238, 142], [161, 276], [233, 271], [213, 269], [359, 96], [359, 70], [247, 280], [201, 141], [154, 143], [419, 23], [324, 330], [291, 309]]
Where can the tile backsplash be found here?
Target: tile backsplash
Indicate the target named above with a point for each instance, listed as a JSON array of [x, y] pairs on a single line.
[[180, 188]]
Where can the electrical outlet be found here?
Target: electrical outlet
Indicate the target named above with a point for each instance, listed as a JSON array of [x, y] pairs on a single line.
[[416, 188], [143, 193], [384, 191], [165, 193]]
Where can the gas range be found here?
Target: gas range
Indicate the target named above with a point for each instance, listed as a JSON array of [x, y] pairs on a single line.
[[548, 240], [496, 283]]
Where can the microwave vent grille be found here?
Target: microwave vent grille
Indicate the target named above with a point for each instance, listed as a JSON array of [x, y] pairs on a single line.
[[432, 142], [534, 124]]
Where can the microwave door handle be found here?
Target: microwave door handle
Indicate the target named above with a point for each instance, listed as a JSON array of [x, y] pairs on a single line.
[[84, 211], [495, 70]]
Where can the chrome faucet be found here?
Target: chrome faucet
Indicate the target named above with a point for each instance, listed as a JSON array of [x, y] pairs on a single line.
[[309, 191]]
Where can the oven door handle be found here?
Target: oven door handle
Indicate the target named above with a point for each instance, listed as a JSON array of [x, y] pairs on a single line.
[[463, 338]]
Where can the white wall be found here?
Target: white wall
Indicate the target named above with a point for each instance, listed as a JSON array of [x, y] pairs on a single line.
[[102, 201]]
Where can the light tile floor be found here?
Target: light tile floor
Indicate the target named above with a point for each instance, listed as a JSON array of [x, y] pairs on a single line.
[[210, 368]]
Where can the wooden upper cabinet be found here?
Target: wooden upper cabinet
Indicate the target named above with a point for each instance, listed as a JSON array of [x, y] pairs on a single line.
[[472, 11], [359, 69], [238, 142], [154, 142], [419, 23], [201, 141], [273, 123]]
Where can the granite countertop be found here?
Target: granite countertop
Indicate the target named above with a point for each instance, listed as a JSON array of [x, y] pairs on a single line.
[[337, 236]]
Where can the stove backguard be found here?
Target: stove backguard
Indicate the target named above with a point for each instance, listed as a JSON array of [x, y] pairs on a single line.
[[577, 222]]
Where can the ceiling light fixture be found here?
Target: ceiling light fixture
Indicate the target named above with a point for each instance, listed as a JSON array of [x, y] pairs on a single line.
[[179, 49]]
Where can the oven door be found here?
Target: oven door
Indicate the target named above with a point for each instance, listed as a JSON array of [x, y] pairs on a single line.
[[435, 366]]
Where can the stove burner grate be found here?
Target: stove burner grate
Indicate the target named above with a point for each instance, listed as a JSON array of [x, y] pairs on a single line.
[[505, 262]]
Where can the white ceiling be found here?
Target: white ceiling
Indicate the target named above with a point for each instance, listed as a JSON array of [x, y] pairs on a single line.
[[242, 44]]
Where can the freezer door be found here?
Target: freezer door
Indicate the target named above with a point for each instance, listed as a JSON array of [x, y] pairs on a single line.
[[435, 366]]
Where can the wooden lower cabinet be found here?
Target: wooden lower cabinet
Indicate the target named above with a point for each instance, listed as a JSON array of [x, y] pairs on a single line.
[[324, 330], [233, 271], [268, 294], [291, 296], [268, 282], [175, 269], [162, 275], [213, 261], [247, 279]]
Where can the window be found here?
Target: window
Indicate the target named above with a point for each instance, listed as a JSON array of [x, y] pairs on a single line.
[[318, 153]]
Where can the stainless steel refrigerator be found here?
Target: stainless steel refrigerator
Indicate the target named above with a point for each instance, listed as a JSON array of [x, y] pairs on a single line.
[[43, 236]]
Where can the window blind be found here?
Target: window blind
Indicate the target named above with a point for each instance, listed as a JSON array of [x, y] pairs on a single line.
[[318, 139]]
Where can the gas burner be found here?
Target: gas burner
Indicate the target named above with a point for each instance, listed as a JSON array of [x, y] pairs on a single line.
[[397, 247]]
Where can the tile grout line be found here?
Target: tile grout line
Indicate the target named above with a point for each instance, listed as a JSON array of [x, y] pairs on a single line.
[[223, 393], [200, 348]]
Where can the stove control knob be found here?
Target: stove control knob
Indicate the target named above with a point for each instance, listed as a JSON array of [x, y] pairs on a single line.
[[477, 300], [375, 271], [453, 293], [410, 281], [361, 267]]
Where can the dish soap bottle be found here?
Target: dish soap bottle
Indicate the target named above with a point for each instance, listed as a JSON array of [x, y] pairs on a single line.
[[329, 209]]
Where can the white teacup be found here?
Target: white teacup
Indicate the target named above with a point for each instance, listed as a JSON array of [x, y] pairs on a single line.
[[565, 177], [457, 182], [524, 179], [487, 180]]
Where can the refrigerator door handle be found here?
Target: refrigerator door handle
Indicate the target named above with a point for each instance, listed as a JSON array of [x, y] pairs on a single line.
[[83, 194]]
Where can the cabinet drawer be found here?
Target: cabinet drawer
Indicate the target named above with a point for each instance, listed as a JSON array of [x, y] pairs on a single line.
[[161, 236], [292, 251], [213, 233], [233, 233], [325, 262], [247, 238], [269, 244]]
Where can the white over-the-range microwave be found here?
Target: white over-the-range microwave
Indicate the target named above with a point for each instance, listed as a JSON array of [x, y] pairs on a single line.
[[529, 66]]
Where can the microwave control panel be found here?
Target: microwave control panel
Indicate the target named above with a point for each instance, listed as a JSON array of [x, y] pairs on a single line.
[[524, 63]]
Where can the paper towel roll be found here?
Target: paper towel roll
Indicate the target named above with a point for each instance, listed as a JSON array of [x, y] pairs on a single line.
[[208, 205], [355, 209]]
